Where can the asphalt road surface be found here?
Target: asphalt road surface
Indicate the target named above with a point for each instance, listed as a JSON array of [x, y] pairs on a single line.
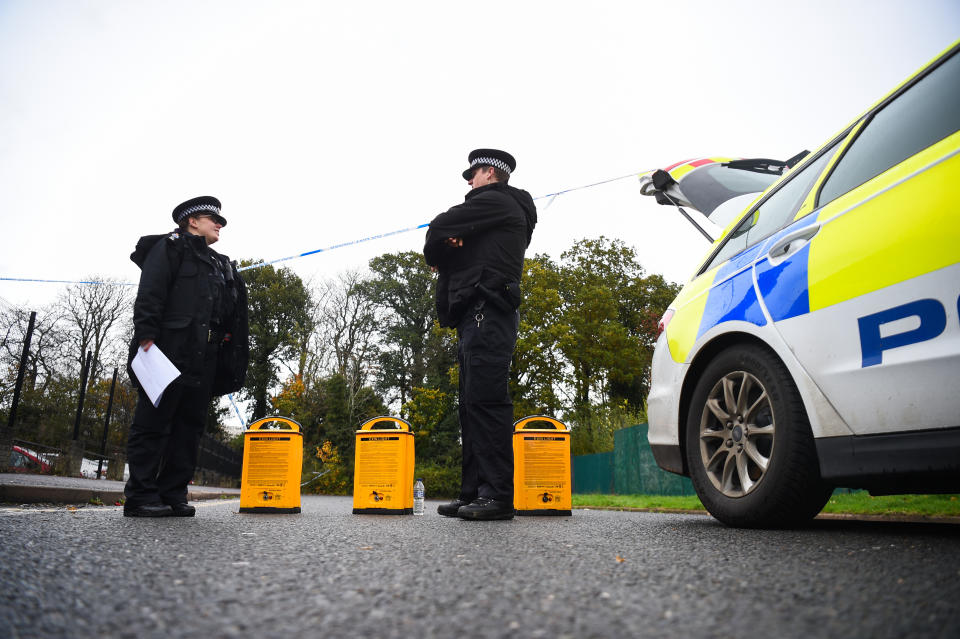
[[327, 573]]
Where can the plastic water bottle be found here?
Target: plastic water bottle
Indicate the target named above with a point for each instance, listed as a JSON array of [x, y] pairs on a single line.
[[418, 495]]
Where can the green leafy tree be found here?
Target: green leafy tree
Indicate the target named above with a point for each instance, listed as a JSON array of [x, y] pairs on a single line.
[[598, 347], [607, 296], [217, 416], [46, 415], [537, 369], [329, 411], [418, 361], [279, 306], [593, 429], [587, 329], [442, 443], [646, 298], [417, 357], [441, 359], [432, 414], [402, 288]]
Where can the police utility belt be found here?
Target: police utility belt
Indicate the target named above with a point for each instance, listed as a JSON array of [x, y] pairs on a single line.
[[507, 299]]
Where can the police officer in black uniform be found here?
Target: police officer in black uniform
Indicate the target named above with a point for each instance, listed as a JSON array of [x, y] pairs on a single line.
[[477, 248], [192, 304]]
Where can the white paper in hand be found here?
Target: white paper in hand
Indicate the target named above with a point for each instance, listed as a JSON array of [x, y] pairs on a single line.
[[154, 372]]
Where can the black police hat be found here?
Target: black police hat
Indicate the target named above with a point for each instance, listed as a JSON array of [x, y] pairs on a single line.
[[490, 157], [203, 205]]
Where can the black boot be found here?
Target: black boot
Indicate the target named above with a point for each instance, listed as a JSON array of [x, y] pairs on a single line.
[[183, 510], [148, 510], [450, 510], [484, 509]]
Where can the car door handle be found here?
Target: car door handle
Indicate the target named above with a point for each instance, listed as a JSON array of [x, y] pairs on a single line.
[[791, 243]]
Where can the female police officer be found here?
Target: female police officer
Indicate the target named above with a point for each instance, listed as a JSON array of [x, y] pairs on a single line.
[[191, 303]]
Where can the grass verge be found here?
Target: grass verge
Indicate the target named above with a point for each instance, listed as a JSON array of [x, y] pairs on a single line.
[[861, 503], [856, 503]]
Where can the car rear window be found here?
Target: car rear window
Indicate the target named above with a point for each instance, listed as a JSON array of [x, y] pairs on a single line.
[[777, 211], [922, 115], [710, 186]]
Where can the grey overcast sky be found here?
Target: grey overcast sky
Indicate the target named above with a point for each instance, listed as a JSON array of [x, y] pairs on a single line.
[[318, 123]]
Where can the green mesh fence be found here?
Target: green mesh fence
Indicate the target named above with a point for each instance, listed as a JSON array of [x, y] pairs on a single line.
[[593, 473], [629, 470]]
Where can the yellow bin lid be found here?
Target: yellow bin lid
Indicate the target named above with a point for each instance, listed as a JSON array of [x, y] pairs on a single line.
[[400, 424], [555, 424], [259, 426]]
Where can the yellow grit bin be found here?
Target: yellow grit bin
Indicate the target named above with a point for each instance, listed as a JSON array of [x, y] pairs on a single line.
[[541, 467], [272, 466], [383, 468]]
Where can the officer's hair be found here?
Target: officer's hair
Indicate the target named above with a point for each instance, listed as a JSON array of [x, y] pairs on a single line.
[[185, 223], [500, 174]]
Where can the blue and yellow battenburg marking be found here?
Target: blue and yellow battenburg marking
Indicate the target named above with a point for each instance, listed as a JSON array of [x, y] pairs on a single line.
[[863, 245]]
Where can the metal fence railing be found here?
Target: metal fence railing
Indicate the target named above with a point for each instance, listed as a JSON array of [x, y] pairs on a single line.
[[217, 457], [216, 462]]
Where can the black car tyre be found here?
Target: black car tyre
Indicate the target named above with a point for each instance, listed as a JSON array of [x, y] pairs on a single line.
[[749, 447]]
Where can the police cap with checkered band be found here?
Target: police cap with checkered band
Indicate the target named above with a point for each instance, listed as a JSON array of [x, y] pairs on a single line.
[[490, 157], [203, 205]]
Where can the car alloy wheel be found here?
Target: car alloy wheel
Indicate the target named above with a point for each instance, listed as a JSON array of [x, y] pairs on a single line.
[[736, 434], [749, 448]]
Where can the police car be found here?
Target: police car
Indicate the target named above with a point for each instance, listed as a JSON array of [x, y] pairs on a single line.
[[818, 344]]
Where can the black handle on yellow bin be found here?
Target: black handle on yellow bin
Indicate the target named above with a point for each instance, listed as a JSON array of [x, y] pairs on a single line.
[[258, 425], [368, 425], [522, 423]]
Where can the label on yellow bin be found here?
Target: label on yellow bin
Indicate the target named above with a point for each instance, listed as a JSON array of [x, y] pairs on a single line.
[[541, 467], [272, 466], [383, 468]]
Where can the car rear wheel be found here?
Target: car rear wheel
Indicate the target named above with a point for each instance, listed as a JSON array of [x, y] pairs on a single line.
[[749, 447]]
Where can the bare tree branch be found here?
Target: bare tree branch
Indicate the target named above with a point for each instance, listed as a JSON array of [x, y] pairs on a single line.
[[93, 320]]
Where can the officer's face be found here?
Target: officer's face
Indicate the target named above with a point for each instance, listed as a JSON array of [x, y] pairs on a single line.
[[207, 227], [482, 176]]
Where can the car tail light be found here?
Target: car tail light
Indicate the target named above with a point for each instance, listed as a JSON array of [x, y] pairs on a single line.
[[662, 324]]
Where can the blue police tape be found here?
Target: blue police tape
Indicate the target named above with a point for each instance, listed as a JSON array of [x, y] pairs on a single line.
[[552, 196], [92, 283], [588, 186], [336, 246], [237, 410]]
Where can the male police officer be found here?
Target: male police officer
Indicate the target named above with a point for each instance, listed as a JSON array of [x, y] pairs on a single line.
[[192, 304], [477, 248]]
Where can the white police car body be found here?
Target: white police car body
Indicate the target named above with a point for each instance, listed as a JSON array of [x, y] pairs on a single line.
[[818, 345]]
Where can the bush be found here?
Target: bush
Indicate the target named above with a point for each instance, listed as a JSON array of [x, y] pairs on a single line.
[[439, 482], [337, 477], [591, 429], [339, 481]]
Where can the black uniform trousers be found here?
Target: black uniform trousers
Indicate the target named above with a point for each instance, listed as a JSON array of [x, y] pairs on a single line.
[[164, 440], [486, 338]]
